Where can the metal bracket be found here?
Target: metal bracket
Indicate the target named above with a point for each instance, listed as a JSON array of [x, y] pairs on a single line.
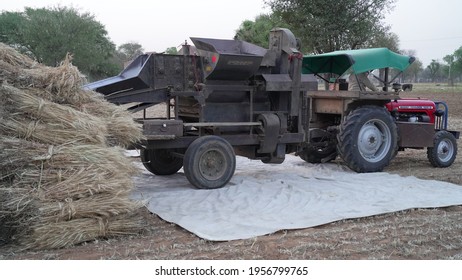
[[270, 127]]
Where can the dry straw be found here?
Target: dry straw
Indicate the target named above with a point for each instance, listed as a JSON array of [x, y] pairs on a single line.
[[59, 82], [47, 122], [122, 130], [66, 171], [12, 57], [60, 182], [95, 206], [63, 85], [65, 234]]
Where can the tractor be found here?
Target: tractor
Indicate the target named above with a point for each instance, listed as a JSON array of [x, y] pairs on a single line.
[[229, 97]]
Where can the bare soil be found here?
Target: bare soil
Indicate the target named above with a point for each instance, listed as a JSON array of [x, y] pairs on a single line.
[[411, 234]]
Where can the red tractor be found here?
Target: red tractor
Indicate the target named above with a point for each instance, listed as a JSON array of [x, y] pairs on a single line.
[[367, 143], [441, 144]]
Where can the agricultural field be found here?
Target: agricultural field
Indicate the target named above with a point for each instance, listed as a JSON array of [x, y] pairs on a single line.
[[410, 234]]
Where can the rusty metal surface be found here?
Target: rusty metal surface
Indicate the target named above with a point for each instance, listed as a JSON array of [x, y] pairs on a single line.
[[415, 135], [162, 129], [328, 106]]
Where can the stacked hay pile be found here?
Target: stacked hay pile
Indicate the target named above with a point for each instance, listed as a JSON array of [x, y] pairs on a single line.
[[63, 176]]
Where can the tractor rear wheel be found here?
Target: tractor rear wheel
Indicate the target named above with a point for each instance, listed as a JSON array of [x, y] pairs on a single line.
[[160, 162], [368, 138], [209, 162], [444, 150]]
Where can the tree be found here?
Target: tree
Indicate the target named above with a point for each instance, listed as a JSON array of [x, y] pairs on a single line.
[[412, 72], [434, 69], [257, 31], [49, 34], [457, 70], [10, 23], [449, 69], [383, 38], [130, 50], [328, 25], [171, 50], [126, 53]]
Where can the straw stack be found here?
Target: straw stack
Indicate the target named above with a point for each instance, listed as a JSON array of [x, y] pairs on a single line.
[[63, 176]]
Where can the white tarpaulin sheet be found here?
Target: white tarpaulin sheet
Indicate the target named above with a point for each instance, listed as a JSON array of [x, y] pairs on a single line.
[[263, 198]]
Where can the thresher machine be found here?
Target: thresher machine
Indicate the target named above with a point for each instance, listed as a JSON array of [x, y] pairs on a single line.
[[228, 97]]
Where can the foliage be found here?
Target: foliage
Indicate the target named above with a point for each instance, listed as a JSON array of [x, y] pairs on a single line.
[[130, 50], [10, 23], [434, 69], [257, 31], [412, 72], [383, 38], [49, 34], [457, 66], [328, 25], [171, 50], [126, 53], [449, 68]]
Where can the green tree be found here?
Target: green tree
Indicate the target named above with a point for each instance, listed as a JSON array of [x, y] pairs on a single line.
[[257, 31], [126, 53], [383, 38], [328, 25], [49, 34], [434, 69], [171, 50], [10, 23], [449, 69], [130, 50], [457, 70], [413, 71]]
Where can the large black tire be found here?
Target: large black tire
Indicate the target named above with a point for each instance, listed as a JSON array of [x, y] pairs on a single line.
[[444, 150], [160, 162], [209, 162], [368, 138]]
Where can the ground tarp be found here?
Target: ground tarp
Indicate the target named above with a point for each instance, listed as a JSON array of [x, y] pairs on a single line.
[[263, 198]]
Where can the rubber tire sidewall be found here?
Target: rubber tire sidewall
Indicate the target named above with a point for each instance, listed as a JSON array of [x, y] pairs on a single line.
[[192, 157], [348, 138], [432, 152], [152, 162]]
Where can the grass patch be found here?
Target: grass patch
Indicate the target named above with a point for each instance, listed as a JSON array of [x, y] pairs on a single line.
[[437, 88]]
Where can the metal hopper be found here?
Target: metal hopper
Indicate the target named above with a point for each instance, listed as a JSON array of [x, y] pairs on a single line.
[[229, 59]]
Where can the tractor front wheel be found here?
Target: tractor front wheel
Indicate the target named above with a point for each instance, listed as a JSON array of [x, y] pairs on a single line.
[[444, 150], [368, 138]]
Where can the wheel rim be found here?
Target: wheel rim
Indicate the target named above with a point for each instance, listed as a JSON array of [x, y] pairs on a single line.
[[445, 150], [212, 164], [374, 140]]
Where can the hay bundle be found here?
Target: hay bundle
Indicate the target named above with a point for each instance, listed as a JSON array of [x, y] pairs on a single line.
[[60, 83], [63, 85], [67, 171], [37, 119], [80, 230], [121, 130], [16, 208], [60, 181]]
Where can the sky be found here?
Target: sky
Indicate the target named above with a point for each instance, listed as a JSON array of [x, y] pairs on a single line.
[[431, 28]]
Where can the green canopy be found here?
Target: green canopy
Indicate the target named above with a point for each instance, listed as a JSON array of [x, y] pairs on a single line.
[[359, 61]]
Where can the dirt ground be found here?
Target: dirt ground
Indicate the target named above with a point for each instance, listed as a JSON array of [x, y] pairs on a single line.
[[411, 234]]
